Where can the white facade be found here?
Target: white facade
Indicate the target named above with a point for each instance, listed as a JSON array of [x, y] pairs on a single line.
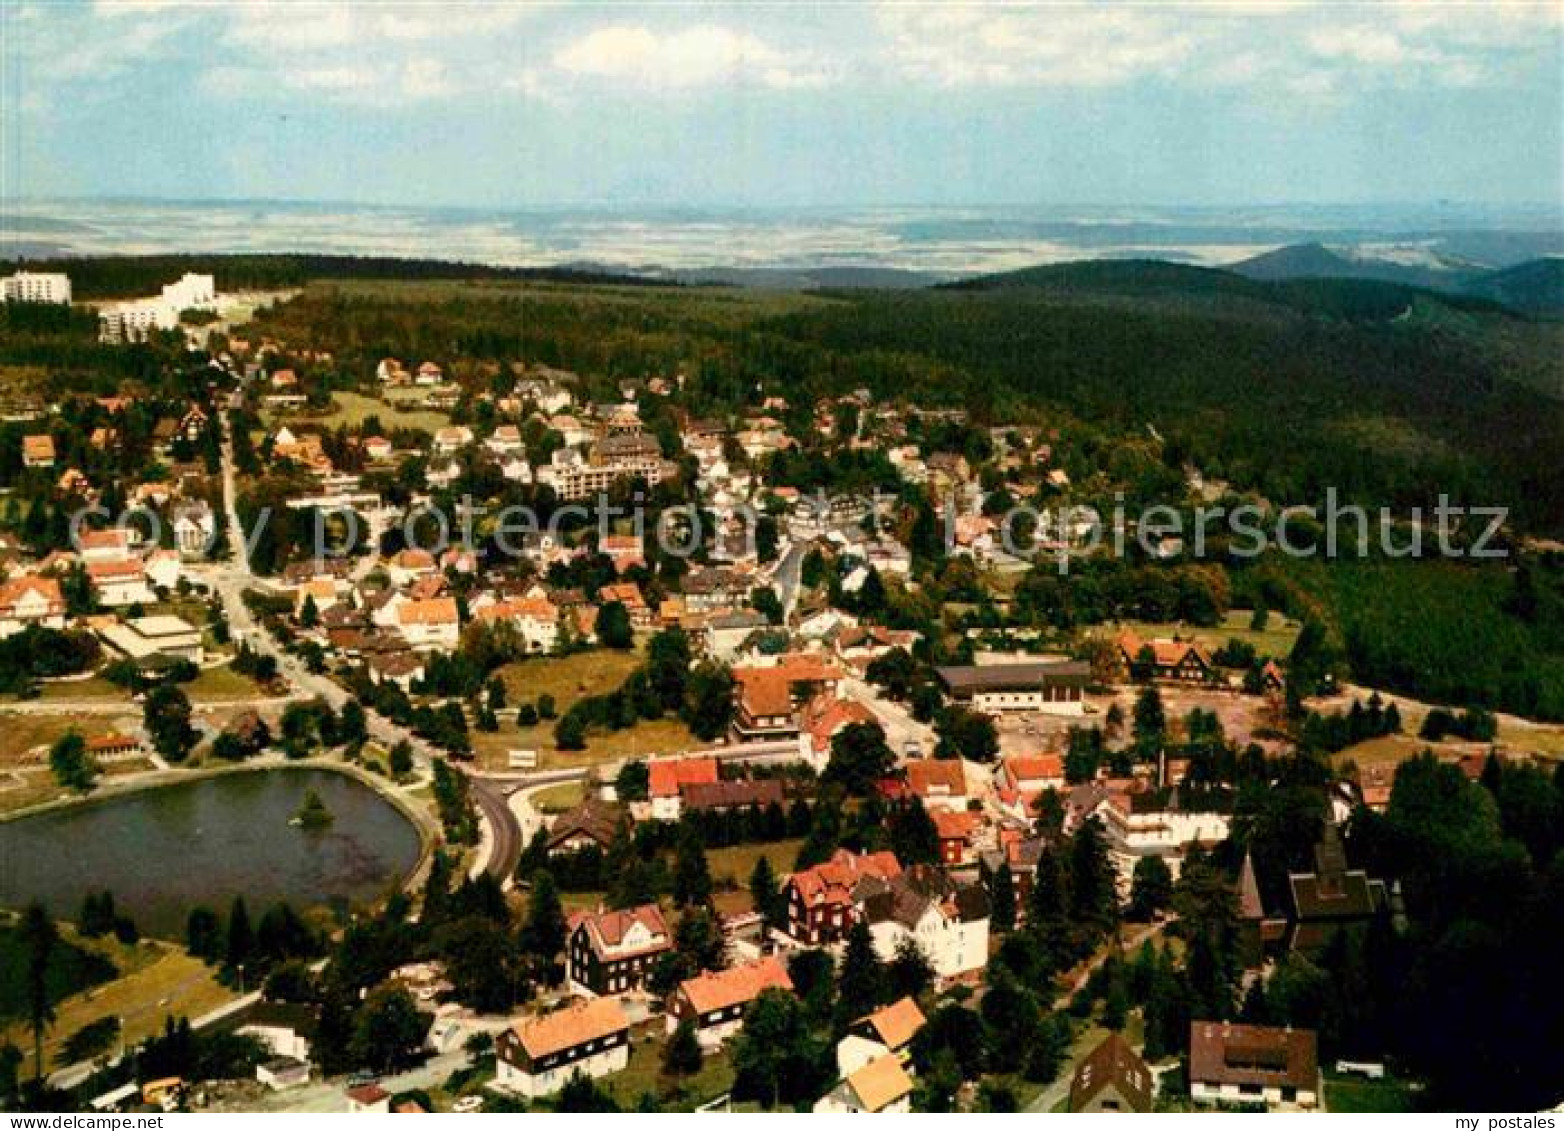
[[1207, 1093], [36, 286], [546, 1081], [952, 947], [131, 321], [1156, 833]]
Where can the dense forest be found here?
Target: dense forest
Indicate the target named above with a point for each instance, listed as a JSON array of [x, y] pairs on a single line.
[[126, 276]]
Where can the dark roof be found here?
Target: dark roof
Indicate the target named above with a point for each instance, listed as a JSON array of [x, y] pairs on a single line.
[[731, 794], [1332, 890], [592, 818], [999, 677], [1224, 1053], [302, 1019], [1112, 1064], [906, 896]]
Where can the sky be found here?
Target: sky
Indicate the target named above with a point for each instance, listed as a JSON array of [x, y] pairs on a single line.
[[783, 105]]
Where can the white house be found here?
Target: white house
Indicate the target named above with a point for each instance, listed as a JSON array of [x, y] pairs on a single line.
[[30, 600], [1139, 824], [430, 624], [120, 583], [881, 1086], [885, 1032], [537, 1056], [948, 922], [194, 528]]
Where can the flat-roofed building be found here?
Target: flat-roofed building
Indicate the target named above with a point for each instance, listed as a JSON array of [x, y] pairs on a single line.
[[1056, 687]]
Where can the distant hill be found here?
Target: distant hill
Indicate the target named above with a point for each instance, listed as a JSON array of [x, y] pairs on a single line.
[[1337, 296], [1129, 277], [1536, 287], [805, 278], [1316, 261]]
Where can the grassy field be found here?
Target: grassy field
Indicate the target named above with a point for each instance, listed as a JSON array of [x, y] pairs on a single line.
[[351, 409], [1276, 639], [1387, 750], [1349, 1094], [94, 687], [732, 866], [222, 685], [569, 679], [644, 1074], [157, 981], [560, 798], [72, 968]]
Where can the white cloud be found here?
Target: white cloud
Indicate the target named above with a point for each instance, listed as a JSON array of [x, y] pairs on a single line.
[[702, 55], [1049, 46], [1303, 47]]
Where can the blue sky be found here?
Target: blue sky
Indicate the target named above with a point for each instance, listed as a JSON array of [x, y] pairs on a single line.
[[759, 105]]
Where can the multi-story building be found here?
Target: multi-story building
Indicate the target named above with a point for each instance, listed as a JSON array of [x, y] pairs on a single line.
[[822, 902], [1253, 1065], [538, 1056], [947, 921], [625, 455], [715, 1001], [610, 952], [36, 286]]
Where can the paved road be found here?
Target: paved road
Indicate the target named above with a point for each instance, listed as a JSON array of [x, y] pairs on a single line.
[[901, 729], [505, 831], [230, 579], [1060, 1088]]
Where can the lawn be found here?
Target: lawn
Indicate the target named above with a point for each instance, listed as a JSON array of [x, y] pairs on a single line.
[[559, 798], [569, 679], [1532, 738], [351, 409], [22, 733], [645, 1074], [72, 968], [222, 685], [1387, 750], [94, 687], [1352, 1094], [1276, 639], [161, 981], [730, 869]]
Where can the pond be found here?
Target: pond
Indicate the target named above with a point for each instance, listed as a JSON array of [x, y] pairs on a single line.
[[166, 850]]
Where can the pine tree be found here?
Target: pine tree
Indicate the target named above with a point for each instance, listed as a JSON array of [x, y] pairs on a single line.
[[682, 1056], [543, 933], [241, 942], [765, 894], [691, 876], [1002, 899], [863, 984]]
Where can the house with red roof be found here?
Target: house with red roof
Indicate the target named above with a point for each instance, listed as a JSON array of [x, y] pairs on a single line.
[[1183, 661], [666, 779], [822, 902], [715, 1001], [940, 783], [538, 1055], [610, 952]]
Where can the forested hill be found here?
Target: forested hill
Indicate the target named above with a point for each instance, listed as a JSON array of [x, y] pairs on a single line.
[[1342, 296], [1536, 286], [125, 276], [1386, 392]]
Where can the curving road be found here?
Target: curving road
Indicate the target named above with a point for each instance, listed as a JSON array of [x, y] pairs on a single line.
[[230, 579]]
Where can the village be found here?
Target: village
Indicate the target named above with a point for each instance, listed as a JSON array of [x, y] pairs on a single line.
[[816, 814]]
